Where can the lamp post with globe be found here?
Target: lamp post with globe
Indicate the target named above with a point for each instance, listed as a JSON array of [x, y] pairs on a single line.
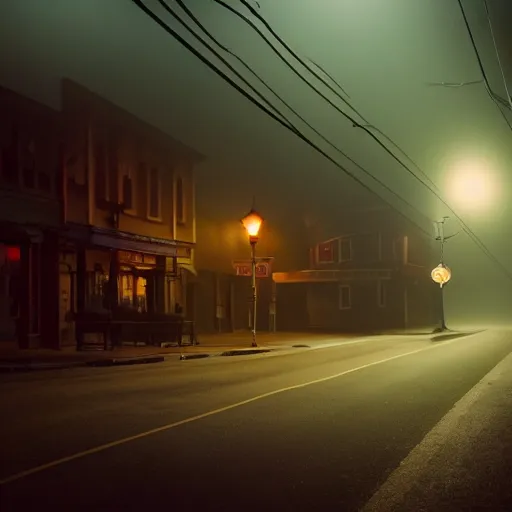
[[441, 275]]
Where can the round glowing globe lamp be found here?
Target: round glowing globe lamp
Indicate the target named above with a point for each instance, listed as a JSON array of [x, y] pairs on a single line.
[[441, 275]]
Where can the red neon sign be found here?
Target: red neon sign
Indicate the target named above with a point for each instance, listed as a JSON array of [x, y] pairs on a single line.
[[13, 253]]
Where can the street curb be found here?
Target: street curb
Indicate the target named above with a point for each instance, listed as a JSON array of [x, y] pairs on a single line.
[[27, 368], [412, 485], [125, 362], [245, 352], [185, 357], [451, 335]]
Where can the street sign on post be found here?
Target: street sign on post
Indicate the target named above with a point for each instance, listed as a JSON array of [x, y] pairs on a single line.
[[244, 267]]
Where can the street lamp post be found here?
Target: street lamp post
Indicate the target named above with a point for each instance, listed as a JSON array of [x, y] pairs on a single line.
[[441, 275], [252, 223]]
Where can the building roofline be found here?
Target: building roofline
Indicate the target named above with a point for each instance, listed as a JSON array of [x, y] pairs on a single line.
[[67, 84], [42, 108]]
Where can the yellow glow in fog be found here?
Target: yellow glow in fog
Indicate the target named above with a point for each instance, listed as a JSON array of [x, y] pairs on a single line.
[[472, 187]]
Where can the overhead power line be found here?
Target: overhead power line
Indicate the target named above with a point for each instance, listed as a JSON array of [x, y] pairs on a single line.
[[365, 126], [430, 186], [494, 97], [497, 51], [269, 112], [455, 85], [261, 105], [191, 15], [293, 53]]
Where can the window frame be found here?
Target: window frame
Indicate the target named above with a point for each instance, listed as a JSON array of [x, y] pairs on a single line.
[[180, 219], [340, 251], [101, 149], [149, 171], [127, 171], [341, 306], [317, 253]]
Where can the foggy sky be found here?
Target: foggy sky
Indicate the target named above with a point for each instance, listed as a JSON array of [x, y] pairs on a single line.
[[384, 53]]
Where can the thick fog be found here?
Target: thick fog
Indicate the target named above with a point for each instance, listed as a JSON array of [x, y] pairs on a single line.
[[389, 56]]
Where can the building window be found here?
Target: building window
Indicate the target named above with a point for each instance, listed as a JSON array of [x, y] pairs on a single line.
[[127, 193], [101, 182], [132, 292], [345, 249], [154, 204], [180, 202], [44, 182], [10, 159], [325, 252], [29, 164], [345, 297], [381, 293], [127, 177]]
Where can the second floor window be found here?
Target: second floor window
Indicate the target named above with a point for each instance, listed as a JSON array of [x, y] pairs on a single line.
[[10, 159], [101, 182], [127, 192], [154, 206], [180, 202], [28, 161], [44, 181], [325, 252], [345, 249], [126, 177]]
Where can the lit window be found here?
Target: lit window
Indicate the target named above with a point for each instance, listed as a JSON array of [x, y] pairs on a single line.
[[325, 252], [126, 291]]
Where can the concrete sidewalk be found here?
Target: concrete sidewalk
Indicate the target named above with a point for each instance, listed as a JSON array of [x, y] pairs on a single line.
[[13, 359], [465, 462], [239, 343]]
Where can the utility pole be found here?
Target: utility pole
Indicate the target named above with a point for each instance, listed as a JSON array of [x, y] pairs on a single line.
[[443, 273]]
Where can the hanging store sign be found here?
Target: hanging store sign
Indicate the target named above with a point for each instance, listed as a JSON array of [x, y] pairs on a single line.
[[244, 267], [330, 276], [135, 258]]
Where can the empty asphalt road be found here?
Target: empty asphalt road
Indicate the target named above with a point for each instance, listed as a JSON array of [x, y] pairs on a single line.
[[304, 430]]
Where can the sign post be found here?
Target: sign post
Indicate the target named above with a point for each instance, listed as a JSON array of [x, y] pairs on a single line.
[[244, 268], [256, 268]]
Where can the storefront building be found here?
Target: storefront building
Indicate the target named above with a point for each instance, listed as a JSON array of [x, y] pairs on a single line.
[[30, 216], [129, 236]]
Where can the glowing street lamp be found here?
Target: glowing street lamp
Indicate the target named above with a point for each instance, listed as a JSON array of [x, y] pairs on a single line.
[[252, 223], [441, 275], [473, 186]]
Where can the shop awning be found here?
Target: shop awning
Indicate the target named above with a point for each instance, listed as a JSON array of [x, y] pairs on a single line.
[[17, 233], [121, 240], [330, 276]]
